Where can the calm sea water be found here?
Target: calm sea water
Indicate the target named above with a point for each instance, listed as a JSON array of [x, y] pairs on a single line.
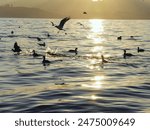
[[78, 83]]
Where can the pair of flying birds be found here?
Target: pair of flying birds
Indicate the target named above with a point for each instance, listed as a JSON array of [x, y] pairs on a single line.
[[62, 23]]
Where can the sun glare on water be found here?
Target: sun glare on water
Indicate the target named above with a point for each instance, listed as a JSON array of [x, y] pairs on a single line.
[[96, 25], [97, 82], [96, 29]]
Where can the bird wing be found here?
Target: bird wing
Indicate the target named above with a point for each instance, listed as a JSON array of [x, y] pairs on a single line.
[[63, 21], [52, 23]]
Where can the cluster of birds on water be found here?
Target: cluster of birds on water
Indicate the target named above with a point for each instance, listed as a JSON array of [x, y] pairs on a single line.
[[125, 51], [17, 48]]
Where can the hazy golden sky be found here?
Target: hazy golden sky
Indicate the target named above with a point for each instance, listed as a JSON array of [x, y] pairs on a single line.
[[95, 8]]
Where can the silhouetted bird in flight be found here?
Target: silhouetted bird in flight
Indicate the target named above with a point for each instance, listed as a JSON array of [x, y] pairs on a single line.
[[81, 24], [84, 12], [61, 24]]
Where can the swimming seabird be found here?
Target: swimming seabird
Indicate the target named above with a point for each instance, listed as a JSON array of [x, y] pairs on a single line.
[[36, 54], [16, 48], [12, 32], [39, 39], [45, 61], [132, 38], [42, 44], [127, 54], [103, 59], [74, 51], [119, 38], [140, 50]]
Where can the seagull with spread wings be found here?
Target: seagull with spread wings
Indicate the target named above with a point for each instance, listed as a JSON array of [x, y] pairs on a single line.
[[61, 24]]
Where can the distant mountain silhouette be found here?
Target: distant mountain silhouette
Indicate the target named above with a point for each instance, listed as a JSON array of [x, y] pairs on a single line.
[[111, 9]]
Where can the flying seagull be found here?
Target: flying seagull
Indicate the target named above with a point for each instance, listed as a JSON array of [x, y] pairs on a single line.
[[61, 24], [84, 12]]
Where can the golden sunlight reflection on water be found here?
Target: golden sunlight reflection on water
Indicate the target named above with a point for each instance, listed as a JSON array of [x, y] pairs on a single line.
[[93, 97], [96, 28], [96, 82], [97, 49], [96, 25]]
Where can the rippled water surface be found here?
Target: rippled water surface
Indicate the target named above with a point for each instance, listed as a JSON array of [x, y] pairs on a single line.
[[75, 83]]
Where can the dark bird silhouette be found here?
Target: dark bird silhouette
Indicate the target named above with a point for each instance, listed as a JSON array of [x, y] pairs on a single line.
[[132, 38], [44, 62], [42, 44], [74, 51], [84, 12], [127, 54], [16, 48], [12, 32], [140, 50], [52, 23], [119, 38], [103, 59], [48, 35], [61, 24], [81, 24], [35, 54], [39, 39]]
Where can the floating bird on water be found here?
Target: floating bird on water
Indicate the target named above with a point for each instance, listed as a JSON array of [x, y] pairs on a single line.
[[74, 51], [119, 38], [42, 44], [132, 38], [39, 39], [61, 24], [16, 48], [103, 59], [48, 35], [36, 54], [140, 50], [12, 32], [45, 61], [127, 54]]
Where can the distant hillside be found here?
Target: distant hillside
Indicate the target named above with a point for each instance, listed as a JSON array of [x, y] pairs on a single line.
[[120, 9], [23, 12]]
